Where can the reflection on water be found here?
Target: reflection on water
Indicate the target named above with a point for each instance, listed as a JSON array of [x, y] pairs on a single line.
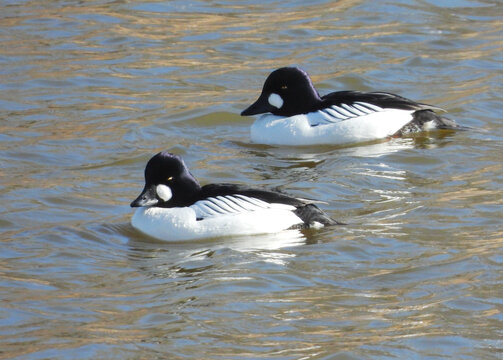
[[89, 91], [196, 257]]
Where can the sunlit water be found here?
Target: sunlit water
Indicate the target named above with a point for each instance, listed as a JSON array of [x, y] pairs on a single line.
[[90, 90]]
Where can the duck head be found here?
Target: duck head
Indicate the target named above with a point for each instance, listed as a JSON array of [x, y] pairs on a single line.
[[287, 91], [168, 182]]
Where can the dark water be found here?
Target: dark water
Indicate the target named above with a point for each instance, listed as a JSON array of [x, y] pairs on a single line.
[[90, 90]]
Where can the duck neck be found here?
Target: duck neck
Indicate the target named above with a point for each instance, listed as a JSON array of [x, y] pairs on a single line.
[[188, 190]]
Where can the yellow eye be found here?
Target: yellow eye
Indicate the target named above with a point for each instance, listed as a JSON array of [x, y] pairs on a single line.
[[170, 178], [284, 87]]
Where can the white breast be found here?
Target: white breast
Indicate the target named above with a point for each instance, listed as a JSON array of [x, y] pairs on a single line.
[[332, 126], [180, 224]]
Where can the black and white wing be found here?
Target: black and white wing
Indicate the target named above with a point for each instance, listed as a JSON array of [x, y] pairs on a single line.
[[227, 199], [233, 204], [342, 112], [345, 105]]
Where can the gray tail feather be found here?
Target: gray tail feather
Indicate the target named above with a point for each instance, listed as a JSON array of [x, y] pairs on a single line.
[[421, 117], [311, 214], [441, 122], [448, 124]]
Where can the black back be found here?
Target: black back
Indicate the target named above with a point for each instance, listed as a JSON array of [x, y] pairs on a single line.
[[213, 190], [381, 99]]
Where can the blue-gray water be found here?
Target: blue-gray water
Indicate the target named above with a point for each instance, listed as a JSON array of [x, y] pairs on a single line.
[[89, 90]]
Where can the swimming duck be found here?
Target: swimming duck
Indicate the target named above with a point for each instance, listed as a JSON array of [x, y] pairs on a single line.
[[174, 207], [295, 114]]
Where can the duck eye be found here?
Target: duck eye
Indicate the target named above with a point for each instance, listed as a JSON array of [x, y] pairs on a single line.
[[284, 87], [169, 178]]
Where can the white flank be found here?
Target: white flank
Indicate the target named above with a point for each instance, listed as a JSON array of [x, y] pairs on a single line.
[[324, 128], [275, 100], [181, 224], [164, 192]]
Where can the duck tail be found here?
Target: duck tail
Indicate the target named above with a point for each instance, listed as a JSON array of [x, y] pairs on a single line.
[[448, 124], [313, 216], [427, 119]]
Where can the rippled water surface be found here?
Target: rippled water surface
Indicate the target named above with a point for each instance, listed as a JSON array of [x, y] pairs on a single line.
[[89, 90]]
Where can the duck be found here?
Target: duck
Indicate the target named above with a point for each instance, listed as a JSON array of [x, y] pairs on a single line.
[[173, 206], [293, 113]]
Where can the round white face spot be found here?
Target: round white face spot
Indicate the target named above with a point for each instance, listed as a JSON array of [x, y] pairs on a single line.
[[275, 100], [164, 192]]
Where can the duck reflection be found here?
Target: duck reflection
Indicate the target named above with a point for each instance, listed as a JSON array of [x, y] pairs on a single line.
[[183, 259]]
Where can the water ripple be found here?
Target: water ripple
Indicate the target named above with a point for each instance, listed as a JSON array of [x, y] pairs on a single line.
[[90, 90]]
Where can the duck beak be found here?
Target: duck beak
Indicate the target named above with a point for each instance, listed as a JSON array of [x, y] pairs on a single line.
[[147, 197], [261, 106]]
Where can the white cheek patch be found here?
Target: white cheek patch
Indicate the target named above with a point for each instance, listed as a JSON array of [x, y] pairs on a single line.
[[275, 100], [164, 192]]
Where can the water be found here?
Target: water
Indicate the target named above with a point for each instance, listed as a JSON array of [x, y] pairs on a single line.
[[89, 91]]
